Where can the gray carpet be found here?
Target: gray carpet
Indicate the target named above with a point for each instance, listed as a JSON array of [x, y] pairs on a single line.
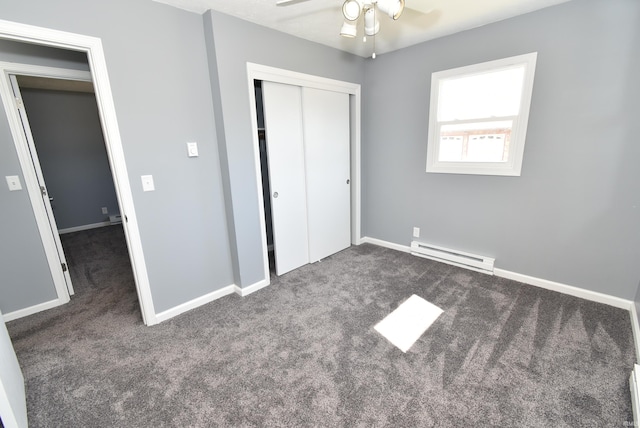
[[303, 351]]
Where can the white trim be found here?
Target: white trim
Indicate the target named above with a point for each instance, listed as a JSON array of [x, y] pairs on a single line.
[[386, 244], [195, 303], [513, 166], [84, 227], [635, 397], [104, 98], [33, 309], [281, 75], [13, 401], [44, 71], [278, 75], [355, 106], [593, 296], [210, 297], [537, 282], [635, 327], [245, 291]]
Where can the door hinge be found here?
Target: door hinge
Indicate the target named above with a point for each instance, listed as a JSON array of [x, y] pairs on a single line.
[[19, 103], [64, 267], [43, 191]]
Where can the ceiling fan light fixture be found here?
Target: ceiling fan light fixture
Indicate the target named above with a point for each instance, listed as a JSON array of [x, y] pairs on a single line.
[[348, 29], [393, 8], [351, 9], [371, 23]]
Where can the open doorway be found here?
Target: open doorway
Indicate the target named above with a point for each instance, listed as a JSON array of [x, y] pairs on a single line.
[[69, 146], [91, 47]]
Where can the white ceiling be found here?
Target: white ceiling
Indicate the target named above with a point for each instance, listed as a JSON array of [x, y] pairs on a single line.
[[320, 20]]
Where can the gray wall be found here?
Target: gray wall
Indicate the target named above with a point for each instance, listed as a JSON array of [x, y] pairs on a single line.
[[157, 65], [232, 43], [571, 217], [68, 138], [24, 53], [574, 214], [26, 278]]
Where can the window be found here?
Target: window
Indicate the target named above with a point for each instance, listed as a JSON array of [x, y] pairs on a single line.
[[478, 117]]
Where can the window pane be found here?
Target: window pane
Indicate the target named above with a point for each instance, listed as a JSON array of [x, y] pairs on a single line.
[[450, 149], [486, 148], [484, 95], [475, 142]]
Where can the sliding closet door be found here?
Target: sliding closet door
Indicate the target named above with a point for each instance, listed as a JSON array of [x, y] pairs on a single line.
[[325, 115], [285, 155]]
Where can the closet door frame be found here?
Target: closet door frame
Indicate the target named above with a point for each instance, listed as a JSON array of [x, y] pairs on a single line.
[[278, 75]]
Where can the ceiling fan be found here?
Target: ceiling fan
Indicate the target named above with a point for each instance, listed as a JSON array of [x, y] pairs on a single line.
[[368, 10]]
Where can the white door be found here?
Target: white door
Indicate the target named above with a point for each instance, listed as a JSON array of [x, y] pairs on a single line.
[[13, 404], [62, 265], [325, 115], [307, 133], [285, 156]]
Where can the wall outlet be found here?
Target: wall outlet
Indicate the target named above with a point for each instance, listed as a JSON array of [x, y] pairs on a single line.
[[147, 183], [105, 210], [13, 181], [416, 232], [192, 149]]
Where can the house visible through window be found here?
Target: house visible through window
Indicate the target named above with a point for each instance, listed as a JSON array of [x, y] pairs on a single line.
[[478, 117]]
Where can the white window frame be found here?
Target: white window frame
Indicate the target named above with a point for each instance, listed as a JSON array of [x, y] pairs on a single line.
[[513, 165]]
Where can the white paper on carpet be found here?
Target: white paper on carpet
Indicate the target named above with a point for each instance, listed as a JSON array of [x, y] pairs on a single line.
[[408, 322]]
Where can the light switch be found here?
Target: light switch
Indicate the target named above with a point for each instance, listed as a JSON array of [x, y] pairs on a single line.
[[147, 183], [192, 149], [14, 182]]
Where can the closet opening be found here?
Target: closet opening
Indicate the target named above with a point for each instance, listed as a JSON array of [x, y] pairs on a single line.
[[264, 171], [306, 135]]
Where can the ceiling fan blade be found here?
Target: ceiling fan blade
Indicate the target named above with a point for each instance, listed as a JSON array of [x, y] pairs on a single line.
[[288, 2]]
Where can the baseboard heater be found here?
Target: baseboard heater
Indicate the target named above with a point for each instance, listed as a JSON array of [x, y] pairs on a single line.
[[634, 386], [453, 257]]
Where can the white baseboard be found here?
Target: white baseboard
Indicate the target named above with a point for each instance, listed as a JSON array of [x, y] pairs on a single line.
[[160, 317], [635, 395], [207, 298], [635, 327], [245, 291], [386, 244], [530, 280], [594, 296], [32, 309], [195, 303], [84, 227]]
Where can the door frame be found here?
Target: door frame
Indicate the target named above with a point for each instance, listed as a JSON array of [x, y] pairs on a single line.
[[279, 75], [92, 46], [13, 401]]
